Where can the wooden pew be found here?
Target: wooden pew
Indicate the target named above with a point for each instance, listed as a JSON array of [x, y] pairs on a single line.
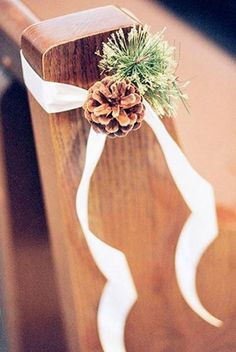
[[160, 320]]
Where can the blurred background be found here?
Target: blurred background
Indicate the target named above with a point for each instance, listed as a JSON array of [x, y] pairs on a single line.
[[215, 19], [204, 33]]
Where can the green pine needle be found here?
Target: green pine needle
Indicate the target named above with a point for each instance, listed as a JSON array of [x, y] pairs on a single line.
[[148, 61]]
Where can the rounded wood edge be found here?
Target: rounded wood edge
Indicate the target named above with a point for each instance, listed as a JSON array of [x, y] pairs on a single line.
[[39, 38]]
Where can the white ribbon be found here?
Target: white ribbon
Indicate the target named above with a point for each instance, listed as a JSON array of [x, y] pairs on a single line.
[[199, 231], [52, 96], [119, 293], [201, 227]]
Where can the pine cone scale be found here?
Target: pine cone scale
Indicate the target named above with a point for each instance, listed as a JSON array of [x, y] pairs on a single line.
[[113, 126], [123, 118], [103, 120], [98, 97], [116, 111], [130, 100]]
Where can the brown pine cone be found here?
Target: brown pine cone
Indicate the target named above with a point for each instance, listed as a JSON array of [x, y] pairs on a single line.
[[114, 108]]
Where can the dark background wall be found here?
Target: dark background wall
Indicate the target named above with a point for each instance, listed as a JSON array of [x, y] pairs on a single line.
[[216, 18]]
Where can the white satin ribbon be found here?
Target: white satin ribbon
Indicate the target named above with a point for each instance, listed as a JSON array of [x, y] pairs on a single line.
[[119, 293], [201, 227], [199, 231], [52, 96]]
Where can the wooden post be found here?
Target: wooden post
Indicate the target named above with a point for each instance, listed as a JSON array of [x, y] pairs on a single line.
[[132, 192]]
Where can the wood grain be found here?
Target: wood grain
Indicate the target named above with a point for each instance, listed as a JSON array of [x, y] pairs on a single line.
[[134, 206]]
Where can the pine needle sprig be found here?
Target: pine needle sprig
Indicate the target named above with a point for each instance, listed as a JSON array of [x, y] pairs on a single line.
[[148, 61]]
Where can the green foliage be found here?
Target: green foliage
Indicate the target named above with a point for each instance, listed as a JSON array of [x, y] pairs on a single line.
[[148, 61]]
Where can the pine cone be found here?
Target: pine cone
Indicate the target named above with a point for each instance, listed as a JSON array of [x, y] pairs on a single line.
[[114, 108]]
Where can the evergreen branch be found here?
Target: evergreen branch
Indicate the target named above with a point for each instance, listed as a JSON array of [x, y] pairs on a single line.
[[148, 61]]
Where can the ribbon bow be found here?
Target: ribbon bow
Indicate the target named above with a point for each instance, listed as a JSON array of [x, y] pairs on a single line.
[[199, 231]]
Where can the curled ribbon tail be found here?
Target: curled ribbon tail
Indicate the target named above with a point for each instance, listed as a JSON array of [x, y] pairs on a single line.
[[119, 293], [201, 227]]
